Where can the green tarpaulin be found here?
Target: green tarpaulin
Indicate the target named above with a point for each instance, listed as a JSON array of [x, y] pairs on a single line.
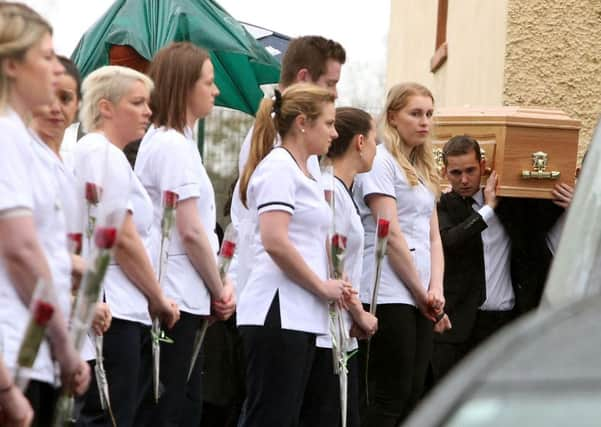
[[241, 63]]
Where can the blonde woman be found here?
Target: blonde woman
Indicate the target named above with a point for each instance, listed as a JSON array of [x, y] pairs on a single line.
[[115, 112], [402, 187], [33, 244]]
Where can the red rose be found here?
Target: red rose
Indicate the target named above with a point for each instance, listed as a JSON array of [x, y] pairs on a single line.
[[383, 225], [43, 312], [227, 249], [92, 193], [170, 199], [339, 241], [105, 237], [74, 242]]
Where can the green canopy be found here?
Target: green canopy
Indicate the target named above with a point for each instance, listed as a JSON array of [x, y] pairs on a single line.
[[241, 63]]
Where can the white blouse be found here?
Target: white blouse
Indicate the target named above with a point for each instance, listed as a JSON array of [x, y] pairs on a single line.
[[123, 191], [348, 223], [169, 160], [278, 184], [30, 180], [415, 206]]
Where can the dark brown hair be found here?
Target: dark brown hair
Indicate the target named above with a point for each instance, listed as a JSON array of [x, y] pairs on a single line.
[[312, 53], [301, 98], [460, 145], [72, 71], [175, 69], [349, 122]]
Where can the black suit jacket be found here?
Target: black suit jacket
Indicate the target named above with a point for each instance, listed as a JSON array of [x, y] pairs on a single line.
[[526, 221]]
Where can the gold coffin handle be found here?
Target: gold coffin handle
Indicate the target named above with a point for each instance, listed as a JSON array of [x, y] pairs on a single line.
[[540, 160]]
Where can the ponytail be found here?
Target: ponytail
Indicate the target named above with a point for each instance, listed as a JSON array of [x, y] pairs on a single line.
[[263, 136]]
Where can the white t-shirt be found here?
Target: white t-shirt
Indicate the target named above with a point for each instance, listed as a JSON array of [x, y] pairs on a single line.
[[278, 184], [122, 191], [169, 160], [348, 223], [415, 205], [29, 180]]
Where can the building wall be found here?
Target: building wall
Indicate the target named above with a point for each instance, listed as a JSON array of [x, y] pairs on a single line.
[[473, 72], [553, 58]]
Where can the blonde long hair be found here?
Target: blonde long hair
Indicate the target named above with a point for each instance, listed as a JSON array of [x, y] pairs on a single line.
[[420, 163], [20, 29], [300, 98]]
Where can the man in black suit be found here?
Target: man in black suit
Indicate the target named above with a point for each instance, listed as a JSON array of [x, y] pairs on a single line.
[[496, 257]]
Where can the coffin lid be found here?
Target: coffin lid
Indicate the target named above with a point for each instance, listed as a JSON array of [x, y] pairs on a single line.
[[505, 116]]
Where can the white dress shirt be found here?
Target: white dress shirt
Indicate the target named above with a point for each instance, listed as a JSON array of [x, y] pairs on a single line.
[[497, 262]]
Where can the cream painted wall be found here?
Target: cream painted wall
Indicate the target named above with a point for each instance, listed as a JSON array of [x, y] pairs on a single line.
[[553, 58], [473, 73]]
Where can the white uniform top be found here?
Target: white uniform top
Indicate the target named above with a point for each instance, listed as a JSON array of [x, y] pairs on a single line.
[[242, 221], [29, 180], [348, 223], [120, 186], [415, 205], [169, 160], [278, 184]]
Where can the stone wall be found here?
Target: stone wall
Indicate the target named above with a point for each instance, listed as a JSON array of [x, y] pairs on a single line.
[[553, 58]]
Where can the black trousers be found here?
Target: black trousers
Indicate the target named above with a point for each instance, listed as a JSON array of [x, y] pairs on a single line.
[[321, 407], [42, 398], [398, 364], [128, 364], [446, 355], [278, 365], [180, 403]]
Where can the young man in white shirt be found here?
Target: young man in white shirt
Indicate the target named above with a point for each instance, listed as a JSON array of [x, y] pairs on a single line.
[[496, 256]]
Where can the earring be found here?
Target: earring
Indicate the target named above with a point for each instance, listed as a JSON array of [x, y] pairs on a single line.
[[303, 130]]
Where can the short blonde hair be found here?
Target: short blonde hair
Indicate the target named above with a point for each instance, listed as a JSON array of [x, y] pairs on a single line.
[[20, 29], [110, 82]]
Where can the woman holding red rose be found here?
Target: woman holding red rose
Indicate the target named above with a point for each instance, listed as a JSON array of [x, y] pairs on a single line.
[[169, 160], [402, 187], [33, 245], [351, 153], [115, 112]]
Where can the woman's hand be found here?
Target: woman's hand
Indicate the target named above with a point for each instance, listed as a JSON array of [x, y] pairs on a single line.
[[368, 324], [226, 305], [15, 410], [165, 309], [333, 289], [102, 319], [443, 324], [436, 301]]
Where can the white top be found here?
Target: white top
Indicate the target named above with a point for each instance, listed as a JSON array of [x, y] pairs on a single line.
[[497, 262], [415, 205], [121, 190], [278, 184], [169, 160], [554, 234], [242, 221], [348, 223], [29, 180]]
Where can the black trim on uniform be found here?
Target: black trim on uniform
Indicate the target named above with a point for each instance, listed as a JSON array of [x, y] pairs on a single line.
[[377, 194], [275, 203], [308, 175], [350, 193]]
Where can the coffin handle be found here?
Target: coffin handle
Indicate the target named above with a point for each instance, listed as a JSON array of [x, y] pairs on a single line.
[[539, 168]]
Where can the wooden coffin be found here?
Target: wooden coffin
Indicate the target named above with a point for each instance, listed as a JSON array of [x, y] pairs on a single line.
[[531, 149]]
